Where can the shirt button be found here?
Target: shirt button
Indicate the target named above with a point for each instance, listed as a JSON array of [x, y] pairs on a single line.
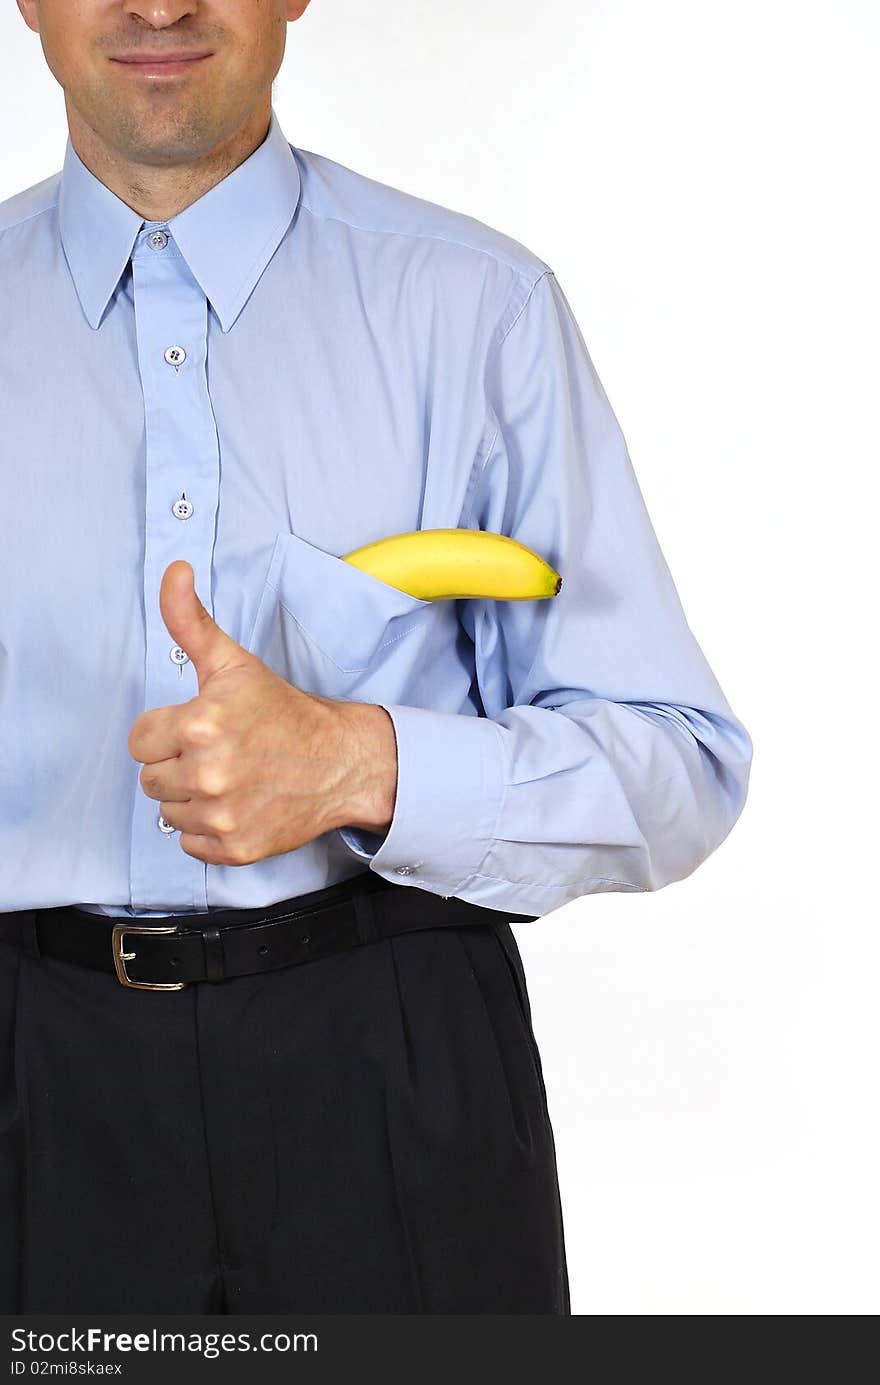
[[181, 509], [175, 355], [165, 826], [408, 870], [178, 655], [157, 240]]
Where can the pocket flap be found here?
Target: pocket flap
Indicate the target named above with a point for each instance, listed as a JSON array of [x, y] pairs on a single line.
[[348, 613]]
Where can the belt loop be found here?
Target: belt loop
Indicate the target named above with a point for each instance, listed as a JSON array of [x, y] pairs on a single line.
[[215, 959], [368, 928], [29, 940]]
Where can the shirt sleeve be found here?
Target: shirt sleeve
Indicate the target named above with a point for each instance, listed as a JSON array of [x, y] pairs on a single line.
[[606, 757]]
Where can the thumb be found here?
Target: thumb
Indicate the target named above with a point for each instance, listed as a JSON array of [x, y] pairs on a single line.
[[193, 627]]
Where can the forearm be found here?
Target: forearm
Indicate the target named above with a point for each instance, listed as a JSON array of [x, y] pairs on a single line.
[[365, 794], [542, 805]]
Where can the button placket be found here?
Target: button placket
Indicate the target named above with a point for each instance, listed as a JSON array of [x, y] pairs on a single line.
[[171, 325]]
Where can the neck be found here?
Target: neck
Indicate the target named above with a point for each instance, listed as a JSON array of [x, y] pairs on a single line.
[[157, 192]]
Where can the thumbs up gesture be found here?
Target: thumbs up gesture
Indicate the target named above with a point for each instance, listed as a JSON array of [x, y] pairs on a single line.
[[253, 766]]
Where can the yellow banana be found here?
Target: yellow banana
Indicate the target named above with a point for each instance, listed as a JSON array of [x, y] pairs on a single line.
[[450, 564]]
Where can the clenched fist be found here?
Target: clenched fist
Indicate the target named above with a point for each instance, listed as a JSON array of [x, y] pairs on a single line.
[[253, 766]]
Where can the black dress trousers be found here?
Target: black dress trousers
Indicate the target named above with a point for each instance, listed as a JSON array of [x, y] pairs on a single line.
[[364, 1133]]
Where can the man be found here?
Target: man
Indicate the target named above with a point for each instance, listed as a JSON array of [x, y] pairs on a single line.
[[310, 1082]]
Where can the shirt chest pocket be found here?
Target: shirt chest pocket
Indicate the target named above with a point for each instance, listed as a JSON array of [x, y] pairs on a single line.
[[330, 628]]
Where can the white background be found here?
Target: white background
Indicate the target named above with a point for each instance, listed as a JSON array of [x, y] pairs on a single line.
[[703, 179]]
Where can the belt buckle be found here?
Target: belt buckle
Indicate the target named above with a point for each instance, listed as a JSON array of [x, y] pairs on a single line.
[[120, 958]]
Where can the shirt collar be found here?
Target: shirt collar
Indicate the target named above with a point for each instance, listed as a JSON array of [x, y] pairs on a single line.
[[227, 236]]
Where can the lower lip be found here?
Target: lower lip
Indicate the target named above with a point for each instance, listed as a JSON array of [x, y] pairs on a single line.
[[172, 69]]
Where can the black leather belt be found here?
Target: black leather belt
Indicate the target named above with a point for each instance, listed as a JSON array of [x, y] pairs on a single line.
[[166, 954]]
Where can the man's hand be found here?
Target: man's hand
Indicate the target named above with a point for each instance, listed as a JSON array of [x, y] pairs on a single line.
[[253, 766]]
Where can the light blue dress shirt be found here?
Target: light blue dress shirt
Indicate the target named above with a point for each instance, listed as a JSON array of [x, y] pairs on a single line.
[[301, 362]]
